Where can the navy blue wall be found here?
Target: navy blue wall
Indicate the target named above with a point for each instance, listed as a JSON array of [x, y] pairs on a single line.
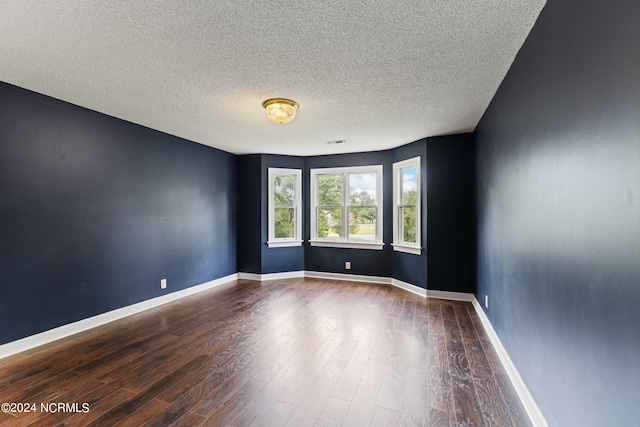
[[559, 212], [363, 261], [451, 229], [412, 268], [249, 208], [94, 211]]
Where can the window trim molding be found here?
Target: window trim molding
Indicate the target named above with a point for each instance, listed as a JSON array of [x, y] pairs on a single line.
[[272, 241], [398, 245], [378, 244], [332, 243]]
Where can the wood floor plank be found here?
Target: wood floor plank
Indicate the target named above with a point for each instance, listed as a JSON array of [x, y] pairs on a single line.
[[393, 382], [140, 381], [440, 405], [383, 417], [139, 366], [238, 405], [333, 412], [279, 384], [278, 415], [414, 410], [190, 420], [129, 405], [492, 405], [25, 394], [314, 400], [7, 418], [467, 407], [225, 366], [220, 383], [279, 361], [348, 318], [116, 360], [515, 409], [293, 352], [348, 383], [384, 344], [364, 401], [299, 385], [141, 415]]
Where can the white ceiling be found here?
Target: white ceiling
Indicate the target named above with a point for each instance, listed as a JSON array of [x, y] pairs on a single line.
[[375, 73]]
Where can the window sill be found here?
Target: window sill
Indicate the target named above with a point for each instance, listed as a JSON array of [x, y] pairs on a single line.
[[284, 243], [416, 250], [350, 245]]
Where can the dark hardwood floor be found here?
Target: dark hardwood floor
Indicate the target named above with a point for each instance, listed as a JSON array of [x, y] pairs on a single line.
[[295, 352]]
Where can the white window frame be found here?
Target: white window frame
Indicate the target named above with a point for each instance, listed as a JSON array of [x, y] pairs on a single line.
[[274, 242], [344, 243], [398, 243]]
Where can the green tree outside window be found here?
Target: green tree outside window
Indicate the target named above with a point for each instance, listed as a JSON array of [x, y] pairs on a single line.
[[284, 206]]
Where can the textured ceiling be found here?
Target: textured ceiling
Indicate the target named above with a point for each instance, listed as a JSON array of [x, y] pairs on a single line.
[[375, 73]]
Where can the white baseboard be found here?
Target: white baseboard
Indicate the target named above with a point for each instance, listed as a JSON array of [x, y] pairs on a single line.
[[348, 277], [340, 276], [351, 278], [534, 413], [409, 287], [64, 331], [448, 295], [271, 276]]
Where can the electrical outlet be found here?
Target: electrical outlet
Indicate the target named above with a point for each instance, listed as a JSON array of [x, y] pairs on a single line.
[[163, 283], [486, 301], [347, 265]]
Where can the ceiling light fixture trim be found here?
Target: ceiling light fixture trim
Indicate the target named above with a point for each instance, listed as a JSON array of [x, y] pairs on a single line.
[[280, 110]]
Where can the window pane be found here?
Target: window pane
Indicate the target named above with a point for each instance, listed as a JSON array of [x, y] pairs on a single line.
[[329, 190], [362, 189], [329, 223], [409, 224], [409, 186], [362, 224], [284, 190], [284, 222]]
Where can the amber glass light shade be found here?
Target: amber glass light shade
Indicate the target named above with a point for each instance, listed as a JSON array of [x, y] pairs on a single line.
[[280, 110]]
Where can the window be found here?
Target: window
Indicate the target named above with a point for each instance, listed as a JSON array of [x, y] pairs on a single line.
[[285, 212], [406, 210], [346, 207]]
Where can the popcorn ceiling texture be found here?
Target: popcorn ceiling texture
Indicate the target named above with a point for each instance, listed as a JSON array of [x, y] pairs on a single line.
[[377, 73]]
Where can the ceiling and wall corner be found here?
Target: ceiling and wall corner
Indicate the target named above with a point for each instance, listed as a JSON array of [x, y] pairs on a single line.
[[378, 75]]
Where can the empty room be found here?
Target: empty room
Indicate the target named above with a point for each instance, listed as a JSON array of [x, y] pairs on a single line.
[[378, 213]]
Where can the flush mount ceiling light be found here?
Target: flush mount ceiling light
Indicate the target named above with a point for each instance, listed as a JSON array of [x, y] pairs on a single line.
[[280, 110]]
